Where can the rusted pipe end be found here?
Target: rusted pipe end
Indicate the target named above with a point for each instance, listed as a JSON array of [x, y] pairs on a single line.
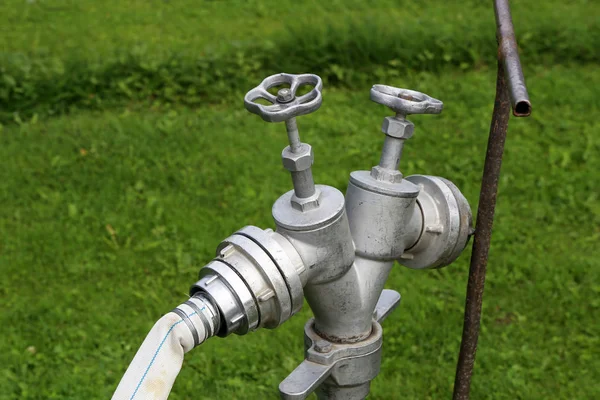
[[522, 108], [509, 55]]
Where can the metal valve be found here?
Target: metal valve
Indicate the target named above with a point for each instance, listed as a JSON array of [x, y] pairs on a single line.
[[397, 129], [285, 107], [447, 219]]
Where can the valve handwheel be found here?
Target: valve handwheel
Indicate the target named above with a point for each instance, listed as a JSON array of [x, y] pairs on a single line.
[[404, 101], [285, 105]]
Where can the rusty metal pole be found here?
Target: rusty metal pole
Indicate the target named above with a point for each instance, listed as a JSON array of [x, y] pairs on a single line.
[[508, 55], [510, 90]]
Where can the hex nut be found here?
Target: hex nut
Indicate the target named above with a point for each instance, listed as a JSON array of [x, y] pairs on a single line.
[[307, 203], [299, 161], [394, 127], [386, 175], [285, 95], [323, 346]]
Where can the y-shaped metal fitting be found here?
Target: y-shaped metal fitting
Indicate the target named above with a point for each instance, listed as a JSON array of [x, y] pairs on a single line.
[[422, 221], [335, 251]]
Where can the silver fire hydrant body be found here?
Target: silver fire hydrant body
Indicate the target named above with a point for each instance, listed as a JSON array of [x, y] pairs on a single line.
[[335, 250]]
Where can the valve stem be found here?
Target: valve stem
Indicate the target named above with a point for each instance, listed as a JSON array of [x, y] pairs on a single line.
[[391, 153], [285, 96], [397, 128], [298, 158], [291, 127], [392, 148]]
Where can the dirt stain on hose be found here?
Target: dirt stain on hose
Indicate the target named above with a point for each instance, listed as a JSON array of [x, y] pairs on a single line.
[[156, 388]]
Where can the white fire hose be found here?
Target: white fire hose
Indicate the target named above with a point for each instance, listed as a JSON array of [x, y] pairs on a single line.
[[157, 363]]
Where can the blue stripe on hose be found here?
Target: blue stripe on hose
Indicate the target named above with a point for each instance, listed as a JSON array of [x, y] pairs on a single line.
[[156, 353]]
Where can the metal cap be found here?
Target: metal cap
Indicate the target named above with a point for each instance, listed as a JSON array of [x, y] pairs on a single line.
[[447, 224]]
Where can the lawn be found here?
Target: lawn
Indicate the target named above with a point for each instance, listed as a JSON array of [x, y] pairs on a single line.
[[115, 195]]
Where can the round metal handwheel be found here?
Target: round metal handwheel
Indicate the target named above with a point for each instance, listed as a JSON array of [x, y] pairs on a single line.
[[285, 105], [404, 101]]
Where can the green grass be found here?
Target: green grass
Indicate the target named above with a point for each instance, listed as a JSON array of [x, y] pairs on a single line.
[[108, 213], [171, 185], [59, 57]]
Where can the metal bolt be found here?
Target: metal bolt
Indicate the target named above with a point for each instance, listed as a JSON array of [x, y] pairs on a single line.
[[284, 95], [323, 346], [211, 280], [226, 251]]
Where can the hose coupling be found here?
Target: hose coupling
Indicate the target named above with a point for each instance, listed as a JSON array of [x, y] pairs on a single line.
[[254, 281]]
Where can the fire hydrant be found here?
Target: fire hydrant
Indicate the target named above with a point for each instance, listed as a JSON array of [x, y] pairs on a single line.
[[335, 250]]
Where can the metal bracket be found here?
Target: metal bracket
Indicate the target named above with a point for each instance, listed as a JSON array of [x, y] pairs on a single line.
[[345, 363]]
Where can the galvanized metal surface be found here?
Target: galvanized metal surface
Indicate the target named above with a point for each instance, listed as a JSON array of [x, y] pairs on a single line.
[[510, 90]]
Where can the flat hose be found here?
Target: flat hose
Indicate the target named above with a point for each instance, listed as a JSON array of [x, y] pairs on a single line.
[[152, 372]]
